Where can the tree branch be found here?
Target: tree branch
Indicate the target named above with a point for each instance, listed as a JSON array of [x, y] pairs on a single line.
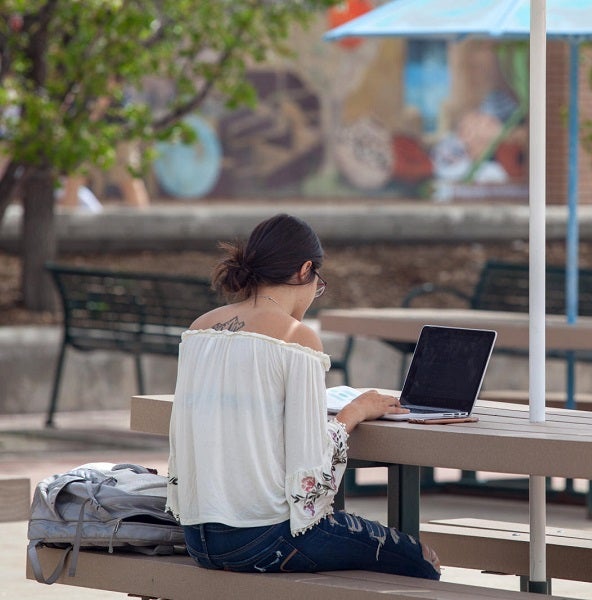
[[198, 99], [38, 27], [159, 33]]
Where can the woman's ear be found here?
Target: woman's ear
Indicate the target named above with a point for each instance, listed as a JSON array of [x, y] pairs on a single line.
[[304, 270]]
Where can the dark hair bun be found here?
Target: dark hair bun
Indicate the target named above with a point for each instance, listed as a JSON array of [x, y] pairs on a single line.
[[276, 250]]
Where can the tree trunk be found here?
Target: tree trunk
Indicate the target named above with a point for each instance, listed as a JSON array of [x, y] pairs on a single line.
[[38, 239]]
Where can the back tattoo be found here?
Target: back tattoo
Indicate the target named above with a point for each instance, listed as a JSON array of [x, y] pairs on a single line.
[[232, 325]]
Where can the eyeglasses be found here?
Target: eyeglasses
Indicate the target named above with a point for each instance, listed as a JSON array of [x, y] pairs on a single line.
[[321, 285]]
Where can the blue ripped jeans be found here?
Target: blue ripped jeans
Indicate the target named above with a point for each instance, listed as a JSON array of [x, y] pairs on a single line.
[[339, 542]]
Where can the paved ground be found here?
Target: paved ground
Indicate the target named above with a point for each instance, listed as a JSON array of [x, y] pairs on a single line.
[[28, 450]]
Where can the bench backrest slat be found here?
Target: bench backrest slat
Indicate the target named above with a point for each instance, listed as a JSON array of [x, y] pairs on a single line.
[[505, 286], [137, 312]]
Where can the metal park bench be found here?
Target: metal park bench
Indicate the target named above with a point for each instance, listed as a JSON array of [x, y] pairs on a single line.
[[134, 313]]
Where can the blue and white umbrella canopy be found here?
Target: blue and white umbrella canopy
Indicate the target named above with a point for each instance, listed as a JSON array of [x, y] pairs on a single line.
[[458, 18]]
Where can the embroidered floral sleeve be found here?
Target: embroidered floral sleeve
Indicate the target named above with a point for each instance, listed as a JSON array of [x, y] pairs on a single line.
[[340, 436], [316, 455], [313, 491]]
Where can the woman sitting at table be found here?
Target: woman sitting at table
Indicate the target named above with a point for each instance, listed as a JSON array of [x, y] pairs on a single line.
[[254, 462]]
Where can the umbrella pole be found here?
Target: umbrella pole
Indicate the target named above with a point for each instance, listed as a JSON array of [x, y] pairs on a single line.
[[537, 232], [572, 191], [572, 268], [537, 245]]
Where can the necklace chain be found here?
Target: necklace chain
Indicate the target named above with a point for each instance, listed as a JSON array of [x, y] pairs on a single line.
[[270, 298]]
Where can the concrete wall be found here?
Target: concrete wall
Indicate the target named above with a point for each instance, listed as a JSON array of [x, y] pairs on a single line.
[[106, 380], [91, 380], [201, 225]]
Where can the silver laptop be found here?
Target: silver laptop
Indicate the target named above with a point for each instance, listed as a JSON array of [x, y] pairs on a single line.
[[444, 377], [446, 372]]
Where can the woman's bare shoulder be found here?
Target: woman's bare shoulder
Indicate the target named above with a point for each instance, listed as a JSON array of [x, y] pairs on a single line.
[[305, 336]]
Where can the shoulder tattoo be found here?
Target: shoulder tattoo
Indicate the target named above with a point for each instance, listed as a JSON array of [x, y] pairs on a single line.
[[232, 325]]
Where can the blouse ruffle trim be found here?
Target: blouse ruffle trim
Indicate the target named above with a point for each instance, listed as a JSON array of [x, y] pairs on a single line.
[[314, 524], [325, 358], [343, 429]]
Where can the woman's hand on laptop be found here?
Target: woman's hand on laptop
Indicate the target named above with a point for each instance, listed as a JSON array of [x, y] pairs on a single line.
[[368, 406]]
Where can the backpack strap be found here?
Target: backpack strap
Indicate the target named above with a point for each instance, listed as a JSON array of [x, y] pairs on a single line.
[[77, 540], [132, 467], [78, 537], [36, 565]]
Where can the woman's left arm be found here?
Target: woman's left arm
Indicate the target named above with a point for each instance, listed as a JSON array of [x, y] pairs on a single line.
[[316, 449]]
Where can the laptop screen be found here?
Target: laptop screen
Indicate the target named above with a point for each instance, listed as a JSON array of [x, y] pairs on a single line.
[[448, 367]]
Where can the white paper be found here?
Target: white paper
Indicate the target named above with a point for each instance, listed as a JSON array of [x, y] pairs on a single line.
[[339, 396]]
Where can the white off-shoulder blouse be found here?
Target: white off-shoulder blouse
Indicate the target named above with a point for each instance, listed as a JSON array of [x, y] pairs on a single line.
[[250, 443]]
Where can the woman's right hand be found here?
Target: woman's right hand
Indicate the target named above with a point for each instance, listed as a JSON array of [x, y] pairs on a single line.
[[367, 406]]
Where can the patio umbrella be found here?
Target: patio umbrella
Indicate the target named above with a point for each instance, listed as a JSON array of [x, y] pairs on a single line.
[[511, 19]]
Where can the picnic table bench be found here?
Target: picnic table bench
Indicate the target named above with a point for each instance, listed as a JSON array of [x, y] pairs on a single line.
[[502, 547], [177, 577], [498, 442], [529, 449], [15, 498]]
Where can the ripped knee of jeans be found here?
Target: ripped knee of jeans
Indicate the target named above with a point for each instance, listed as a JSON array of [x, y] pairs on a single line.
[[353, 523], [376, 531]]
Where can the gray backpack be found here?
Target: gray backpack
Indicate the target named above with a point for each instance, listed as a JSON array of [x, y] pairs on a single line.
[[101, 505]]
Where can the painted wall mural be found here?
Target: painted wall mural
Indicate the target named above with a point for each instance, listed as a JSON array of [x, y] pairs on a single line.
[[386, 118], [277, 144]]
